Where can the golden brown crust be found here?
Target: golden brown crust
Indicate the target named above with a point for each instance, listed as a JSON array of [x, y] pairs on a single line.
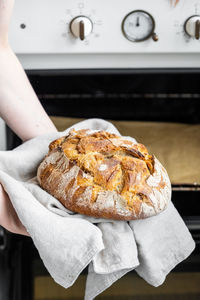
[[103, 175]]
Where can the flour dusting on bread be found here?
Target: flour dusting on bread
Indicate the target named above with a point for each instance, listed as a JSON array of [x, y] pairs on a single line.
[[100, 174]]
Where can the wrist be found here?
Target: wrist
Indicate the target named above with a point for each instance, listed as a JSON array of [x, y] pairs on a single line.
[[6, 56]]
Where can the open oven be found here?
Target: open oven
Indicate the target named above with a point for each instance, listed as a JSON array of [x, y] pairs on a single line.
[[152, 94], [158, 107]]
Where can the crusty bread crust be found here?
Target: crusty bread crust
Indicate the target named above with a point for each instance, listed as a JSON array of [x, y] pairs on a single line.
[[103, 175]]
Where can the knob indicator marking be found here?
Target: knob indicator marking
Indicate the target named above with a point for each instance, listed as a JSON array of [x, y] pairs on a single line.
[[82, 30], [197, 29]]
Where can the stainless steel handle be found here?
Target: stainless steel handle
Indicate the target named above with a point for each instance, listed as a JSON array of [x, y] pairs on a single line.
[[3, 239], [193, 224]]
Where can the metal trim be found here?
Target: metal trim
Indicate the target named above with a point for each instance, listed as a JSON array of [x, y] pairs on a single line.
[[124, 71]]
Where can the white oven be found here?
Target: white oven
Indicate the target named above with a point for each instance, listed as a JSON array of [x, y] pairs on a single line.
[[115, 34]]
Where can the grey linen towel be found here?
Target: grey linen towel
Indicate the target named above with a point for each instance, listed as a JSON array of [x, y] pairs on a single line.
[[68, 242]]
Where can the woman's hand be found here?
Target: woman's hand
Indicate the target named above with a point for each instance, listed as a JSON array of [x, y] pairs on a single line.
[[19, 107], [8, 217]]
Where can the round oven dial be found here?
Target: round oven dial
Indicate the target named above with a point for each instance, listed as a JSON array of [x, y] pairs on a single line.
[[81, 27], [192, 27], [138, 26]]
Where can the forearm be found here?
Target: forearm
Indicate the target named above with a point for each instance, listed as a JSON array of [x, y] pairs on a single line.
[[6, 7], [19, 105]]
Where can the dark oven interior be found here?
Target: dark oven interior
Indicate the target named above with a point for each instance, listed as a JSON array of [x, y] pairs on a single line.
[[158, 96]]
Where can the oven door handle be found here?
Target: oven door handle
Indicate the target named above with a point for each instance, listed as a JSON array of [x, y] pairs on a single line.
[[3, 239], [193, 224]]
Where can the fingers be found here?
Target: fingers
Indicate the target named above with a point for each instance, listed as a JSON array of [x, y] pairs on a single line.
[[8, 217]]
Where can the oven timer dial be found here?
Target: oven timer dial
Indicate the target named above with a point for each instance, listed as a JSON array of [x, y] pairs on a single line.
[[139, 26], [192, 27], [81, 27]]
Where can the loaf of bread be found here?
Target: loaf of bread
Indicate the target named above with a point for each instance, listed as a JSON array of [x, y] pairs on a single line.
[[103, 175]]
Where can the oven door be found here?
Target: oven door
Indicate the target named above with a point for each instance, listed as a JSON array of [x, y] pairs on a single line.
[[160, 108]]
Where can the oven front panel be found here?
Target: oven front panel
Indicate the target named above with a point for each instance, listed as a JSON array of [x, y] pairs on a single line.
[[145, 96], [47, 34]]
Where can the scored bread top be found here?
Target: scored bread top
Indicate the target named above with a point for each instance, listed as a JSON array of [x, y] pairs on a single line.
[[100, 174]]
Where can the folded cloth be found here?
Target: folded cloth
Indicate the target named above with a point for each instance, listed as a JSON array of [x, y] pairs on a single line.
[[67, 242]]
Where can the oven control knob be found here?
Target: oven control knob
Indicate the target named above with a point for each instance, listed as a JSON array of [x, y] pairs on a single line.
[[192, 27], [81, 27]]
